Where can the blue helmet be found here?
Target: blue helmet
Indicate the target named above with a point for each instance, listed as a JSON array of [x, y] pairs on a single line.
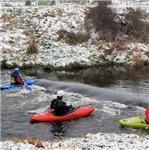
[[16, 70]]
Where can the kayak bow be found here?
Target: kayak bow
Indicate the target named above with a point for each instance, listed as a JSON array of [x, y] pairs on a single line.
[[134, 122]]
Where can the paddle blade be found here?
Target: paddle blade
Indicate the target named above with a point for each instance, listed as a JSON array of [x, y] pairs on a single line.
[[28, 88]]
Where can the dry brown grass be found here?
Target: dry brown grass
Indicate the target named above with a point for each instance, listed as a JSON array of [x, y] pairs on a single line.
[[5, 18], [30, 140], [120, 46], [32, 47], [108, 51], [16, 140], [72, 38], [137, 59], [39, 143], [27, 32], [9, 22], [36, 142]]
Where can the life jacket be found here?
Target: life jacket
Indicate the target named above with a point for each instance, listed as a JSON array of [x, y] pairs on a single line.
[[147, 115], [59, 106], [16, 79], [12, 80]]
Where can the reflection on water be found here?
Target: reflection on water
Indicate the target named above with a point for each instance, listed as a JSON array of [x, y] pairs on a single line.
[[58, 129], [103, 77]]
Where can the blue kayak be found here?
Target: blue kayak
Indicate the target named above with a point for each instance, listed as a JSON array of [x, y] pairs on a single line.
[[11, 86]]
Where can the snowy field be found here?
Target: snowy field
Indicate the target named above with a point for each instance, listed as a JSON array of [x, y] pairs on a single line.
[[19, 25]]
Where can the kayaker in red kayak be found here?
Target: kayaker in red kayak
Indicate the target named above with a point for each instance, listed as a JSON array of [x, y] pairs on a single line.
[[59, 106], [16, 77], [147, 115]]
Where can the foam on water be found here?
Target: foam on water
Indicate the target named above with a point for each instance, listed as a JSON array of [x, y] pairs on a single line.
[[102, 94]]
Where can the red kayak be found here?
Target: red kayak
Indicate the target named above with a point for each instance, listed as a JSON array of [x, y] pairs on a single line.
[[48, 116], [147, 114]]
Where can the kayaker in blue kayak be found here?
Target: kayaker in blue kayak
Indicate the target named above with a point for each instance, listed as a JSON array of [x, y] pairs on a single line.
[[59, 106], [16, 77]]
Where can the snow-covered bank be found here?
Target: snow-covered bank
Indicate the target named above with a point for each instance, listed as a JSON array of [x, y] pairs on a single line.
[[51, 28], [97, 141]]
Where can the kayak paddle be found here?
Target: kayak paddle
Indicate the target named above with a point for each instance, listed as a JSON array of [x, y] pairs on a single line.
[[26, 86]]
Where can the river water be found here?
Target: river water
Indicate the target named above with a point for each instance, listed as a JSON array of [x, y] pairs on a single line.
[[115, 92]]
